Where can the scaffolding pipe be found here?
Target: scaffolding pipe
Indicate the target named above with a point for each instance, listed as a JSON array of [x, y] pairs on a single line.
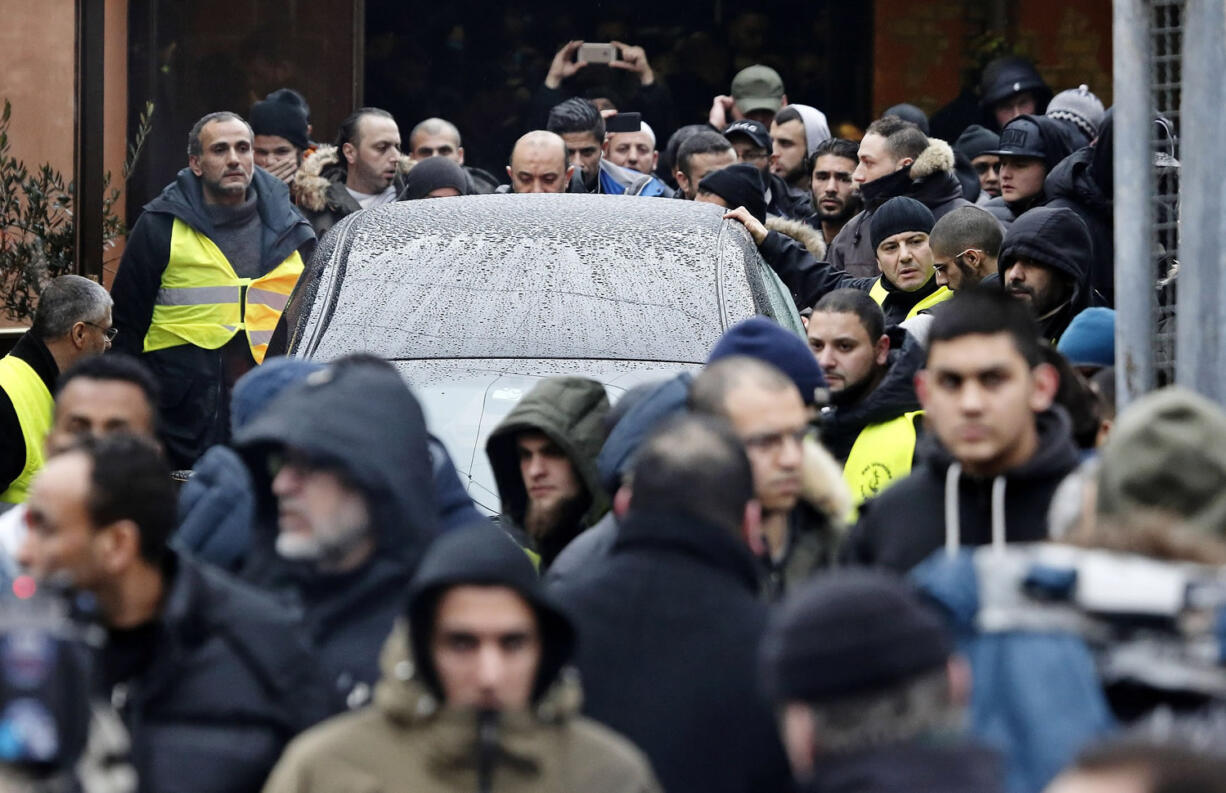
[[1135, 298], [1200, 355]]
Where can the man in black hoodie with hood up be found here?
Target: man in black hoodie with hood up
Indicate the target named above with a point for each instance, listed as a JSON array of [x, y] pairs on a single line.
[[345, 508], [1045, 260], [997, 448], [205, 275]]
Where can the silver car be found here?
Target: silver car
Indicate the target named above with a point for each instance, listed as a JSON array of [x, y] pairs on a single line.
[[476, 298]]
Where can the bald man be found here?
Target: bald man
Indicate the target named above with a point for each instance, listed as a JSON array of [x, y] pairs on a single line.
[[539, 164]]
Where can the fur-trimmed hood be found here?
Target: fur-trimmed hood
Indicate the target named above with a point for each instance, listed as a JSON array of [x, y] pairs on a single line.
[[802, 232], [931, 179], [937, 158], [322, 168]]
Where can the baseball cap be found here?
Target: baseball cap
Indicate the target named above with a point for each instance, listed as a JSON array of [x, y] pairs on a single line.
[[1021, 137], [757, 87], [754, 130]]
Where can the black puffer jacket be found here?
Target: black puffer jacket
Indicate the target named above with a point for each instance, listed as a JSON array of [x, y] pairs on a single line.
[[1056, 142], [1075, 185], [668, 632], [231, 682], [193, 404], [1059, 239], [931, 180], [362, 417], [901, 527], [914, 767], [893, 396]]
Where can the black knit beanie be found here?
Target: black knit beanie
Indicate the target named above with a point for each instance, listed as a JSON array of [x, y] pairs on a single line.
[[976, 140], [740, 185], [850, 632], [897, 215], [283, 114], [432, 173]]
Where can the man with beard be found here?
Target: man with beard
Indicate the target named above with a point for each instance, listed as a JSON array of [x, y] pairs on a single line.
[[206, 272], [835, 198], [874, 417], [543, 456], [1045, 261], [965, 245], [795, 134]]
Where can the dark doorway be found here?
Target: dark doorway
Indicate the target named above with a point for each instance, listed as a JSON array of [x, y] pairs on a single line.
[[479, 64]]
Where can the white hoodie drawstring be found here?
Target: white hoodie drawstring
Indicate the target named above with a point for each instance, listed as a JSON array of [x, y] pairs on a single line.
[[998, 514], [953, 531], [953, 527]]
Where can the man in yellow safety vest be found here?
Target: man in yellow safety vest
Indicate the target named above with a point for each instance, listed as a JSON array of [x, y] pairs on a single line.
[[874, 417], [205, 275], [906, 286], [72, 322]]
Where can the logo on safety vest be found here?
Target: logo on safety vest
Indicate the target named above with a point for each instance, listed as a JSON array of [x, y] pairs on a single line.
[[873, 478]]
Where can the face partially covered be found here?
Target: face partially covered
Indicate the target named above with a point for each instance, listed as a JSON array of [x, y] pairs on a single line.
[[273, 152], [486, 648], [876, 160], [905, 260]]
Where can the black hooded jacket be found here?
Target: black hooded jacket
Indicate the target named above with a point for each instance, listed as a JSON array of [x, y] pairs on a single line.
[[193, 403], [808, 279], [893, 396], [668, 631], [361, 417], [901, 527], [1077, 183], [916, 767], [931, 180], [1059, 239]]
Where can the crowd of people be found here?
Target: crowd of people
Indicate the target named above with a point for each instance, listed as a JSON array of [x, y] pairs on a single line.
[[913, 549]]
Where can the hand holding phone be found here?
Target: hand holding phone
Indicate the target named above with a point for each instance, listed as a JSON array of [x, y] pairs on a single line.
[[597, 53]]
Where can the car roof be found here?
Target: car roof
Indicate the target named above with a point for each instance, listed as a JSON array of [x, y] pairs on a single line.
[[533, 276]]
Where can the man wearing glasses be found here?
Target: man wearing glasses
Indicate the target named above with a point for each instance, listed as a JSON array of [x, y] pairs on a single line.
[[72, 322], [965, 244]]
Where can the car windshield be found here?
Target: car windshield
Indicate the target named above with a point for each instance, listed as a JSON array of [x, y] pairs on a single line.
[[616, 289]]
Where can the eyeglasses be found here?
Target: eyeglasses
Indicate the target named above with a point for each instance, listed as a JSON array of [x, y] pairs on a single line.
[[938, 267], [982, 167], [108, 333]]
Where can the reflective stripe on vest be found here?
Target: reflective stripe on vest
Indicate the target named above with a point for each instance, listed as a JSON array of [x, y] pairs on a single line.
[[879, 293], [203, 302], [34, 407], [882, 453]]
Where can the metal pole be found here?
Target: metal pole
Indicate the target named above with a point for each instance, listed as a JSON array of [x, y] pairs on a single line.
[[1134, 214], [1200, 354], [87, 149]]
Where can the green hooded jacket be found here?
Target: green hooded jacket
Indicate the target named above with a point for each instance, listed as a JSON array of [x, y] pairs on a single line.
[[571, 412]]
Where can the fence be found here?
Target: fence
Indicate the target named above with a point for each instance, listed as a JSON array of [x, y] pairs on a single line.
[[1169, 219]]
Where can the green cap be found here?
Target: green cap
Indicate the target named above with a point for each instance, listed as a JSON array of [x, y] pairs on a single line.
[[757, 87]]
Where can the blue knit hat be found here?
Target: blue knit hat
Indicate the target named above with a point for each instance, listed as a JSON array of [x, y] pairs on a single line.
[[761, 338], [258, 388], [1089, 339]]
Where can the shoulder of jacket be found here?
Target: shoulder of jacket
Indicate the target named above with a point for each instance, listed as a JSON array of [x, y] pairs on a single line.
[[937, 158], [311, 183], [802, 232]]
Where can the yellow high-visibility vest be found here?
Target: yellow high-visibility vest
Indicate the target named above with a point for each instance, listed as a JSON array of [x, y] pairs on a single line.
[[879, 293], [34, 406], [203, 302], [882, 453]]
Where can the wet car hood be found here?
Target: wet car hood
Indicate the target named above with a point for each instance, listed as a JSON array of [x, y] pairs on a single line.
[[464, 400]]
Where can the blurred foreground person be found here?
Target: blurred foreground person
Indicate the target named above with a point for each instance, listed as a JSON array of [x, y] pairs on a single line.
[[1136, 765], [210, 677], [997, 450], [345, 508], [668, 624], [474, 695], [869, 694]]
